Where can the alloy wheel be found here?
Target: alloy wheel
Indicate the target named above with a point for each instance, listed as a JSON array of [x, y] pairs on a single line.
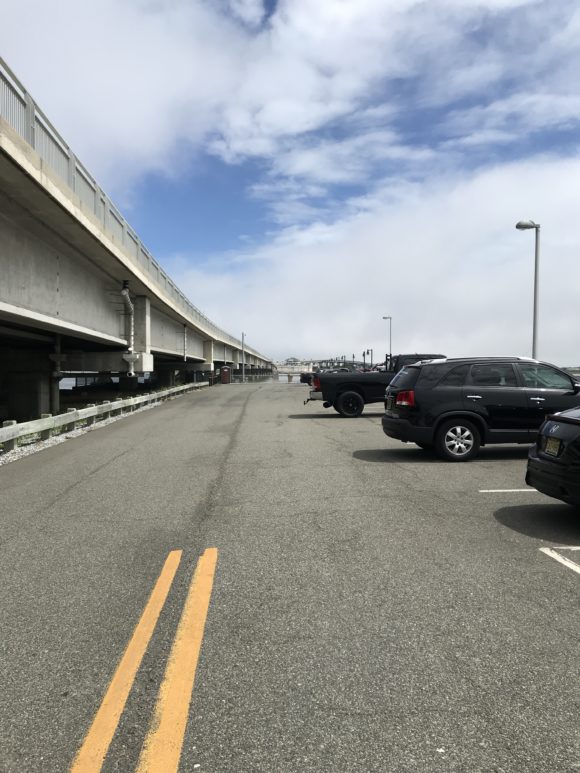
[[459, 440]]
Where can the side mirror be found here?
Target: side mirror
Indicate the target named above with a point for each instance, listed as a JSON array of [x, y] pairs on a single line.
[[576, 387]]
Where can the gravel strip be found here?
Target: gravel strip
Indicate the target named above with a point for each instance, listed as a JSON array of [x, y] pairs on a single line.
[[34, 446]]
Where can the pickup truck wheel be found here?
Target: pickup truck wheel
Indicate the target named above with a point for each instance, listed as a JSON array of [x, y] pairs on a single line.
[[457, 440], [349, 404]]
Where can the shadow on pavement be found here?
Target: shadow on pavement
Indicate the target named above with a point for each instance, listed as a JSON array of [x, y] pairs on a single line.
[[332, 415], [502, 453], [553, 522], [411, 453]]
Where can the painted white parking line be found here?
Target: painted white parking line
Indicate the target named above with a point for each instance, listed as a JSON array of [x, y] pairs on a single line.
[[562, 559], [506, 490]]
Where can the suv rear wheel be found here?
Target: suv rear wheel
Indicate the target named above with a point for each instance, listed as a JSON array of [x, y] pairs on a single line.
[[457, 440], [349, 404]]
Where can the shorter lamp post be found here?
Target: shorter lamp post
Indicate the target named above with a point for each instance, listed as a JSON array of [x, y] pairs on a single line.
[[526, 225], [370, 351]]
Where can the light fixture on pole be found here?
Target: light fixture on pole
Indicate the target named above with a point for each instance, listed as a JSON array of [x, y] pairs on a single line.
[[527, 225], [390, 339], [370, 351]]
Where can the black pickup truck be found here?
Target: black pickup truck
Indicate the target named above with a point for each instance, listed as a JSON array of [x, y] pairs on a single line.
[[348, 393]]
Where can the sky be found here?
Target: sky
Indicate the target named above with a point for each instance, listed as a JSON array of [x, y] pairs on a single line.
[[304, 168]]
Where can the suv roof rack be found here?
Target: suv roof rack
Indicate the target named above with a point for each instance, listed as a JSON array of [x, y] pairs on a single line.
[[486, 359]]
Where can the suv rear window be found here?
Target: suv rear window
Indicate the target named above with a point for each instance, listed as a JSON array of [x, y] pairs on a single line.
[[455, 377], [406, 378], [432, 372]]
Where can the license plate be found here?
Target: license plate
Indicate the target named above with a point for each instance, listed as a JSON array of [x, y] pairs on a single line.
[[552, 446]]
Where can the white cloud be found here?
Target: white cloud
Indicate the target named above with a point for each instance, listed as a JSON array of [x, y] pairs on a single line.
[[522, 113], [483, 138], [251, 12], [126, 84], [445, 261], [129, 83], [407, 101], [349, 160]]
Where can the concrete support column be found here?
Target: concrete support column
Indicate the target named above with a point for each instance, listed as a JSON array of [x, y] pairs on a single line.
[[208, 354], [56, 360], [142, 324], [28, 395], [54, 395]]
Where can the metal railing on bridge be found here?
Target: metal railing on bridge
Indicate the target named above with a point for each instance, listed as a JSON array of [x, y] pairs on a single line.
[[21, 112]]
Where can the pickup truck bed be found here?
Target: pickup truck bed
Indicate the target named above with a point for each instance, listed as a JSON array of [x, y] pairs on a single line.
[[348, 393]]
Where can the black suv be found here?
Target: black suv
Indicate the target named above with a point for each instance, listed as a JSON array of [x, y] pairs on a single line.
[[457, 405]]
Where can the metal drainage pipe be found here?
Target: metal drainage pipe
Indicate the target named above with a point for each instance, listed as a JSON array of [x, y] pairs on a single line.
[[131, 313]]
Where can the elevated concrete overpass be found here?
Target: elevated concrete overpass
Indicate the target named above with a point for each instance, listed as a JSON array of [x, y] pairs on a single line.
[[79, 292]]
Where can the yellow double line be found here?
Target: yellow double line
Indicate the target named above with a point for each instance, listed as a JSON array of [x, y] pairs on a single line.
[[162, 747]]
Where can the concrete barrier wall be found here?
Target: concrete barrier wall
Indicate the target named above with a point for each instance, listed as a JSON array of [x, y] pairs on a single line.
[[44, 275], [167, 336]]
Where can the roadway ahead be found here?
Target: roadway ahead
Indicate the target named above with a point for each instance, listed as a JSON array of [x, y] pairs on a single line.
[[371, 608]]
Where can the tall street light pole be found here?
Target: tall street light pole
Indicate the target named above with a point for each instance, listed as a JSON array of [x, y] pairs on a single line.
[[390, 347], [526, 225]]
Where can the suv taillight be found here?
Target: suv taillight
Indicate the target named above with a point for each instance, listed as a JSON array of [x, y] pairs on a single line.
[[316, 383], [406, 398]]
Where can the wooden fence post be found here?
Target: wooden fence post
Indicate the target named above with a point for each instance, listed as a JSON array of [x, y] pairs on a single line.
[[72, 425], [45, 434], [90, 419]]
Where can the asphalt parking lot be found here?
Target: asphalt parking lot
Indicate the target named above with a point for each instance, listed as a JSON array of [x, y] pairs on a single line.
[[371, 608]]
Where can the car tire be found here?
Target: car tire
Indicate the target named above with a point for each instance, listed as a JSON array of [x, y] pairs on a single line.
[[349, 404], [457, 440]]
